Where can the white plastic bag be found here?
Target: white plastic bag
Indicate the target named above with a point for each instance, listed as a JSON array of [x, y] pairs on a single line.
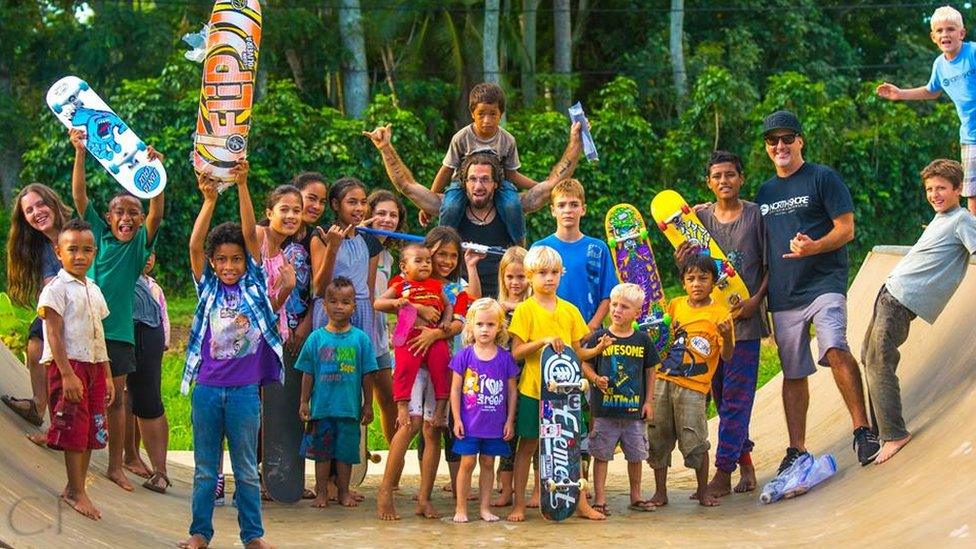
[[805, 473]]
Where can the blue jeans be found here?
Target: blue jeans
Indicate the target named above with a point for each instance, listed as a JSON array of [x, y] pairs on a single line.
[[234, 413], [506, 202]]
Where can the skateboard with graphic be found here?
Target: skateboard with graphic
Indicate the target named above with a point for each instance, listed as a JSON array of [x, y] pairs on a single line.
[[560, 428], [680, 223], [282, 464], [365, 458], [227, 92], [634, 261], [110, 140]]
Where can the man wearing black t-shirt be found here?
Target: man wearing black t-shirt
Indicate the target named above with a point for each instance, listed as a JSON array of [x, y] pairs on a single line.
[[482, 174], [808, 214]]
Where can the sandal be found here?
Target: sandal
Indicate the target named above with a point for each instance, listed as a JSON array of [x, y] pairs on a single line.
[[308, 494], [601, 508], [30, 414], [642, 505], [154, 483]]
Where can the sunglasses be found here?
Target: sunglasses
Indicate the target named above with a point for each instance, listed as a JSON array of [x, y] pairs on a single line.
[[773, 140]]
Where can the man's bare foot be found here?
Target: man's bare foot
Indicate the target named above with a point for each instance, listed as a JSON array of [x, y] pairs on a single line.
[[719, 486], [533, 501], [747, 479], [659, 499], [385, 509], [517, 515], [426, 510], [118, 477], [488, 516], [81, 503], [348, 500], [502, 501], [258, 543], [137, 467], [460, 517], [321, 501], [890, 448], [196, 541], [706, 499]]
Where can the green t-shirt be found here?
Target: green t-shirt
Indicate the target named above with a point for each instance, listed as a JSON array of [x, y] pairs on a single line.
[[116, 268]]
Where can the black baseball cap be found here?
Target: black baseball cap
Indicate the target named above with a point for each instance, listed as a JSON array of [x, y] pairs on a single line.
[[782, 120]]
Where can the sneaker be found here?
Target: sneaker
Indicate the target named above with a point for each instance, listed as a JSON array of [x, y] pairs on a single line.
[[219, 492], [866, 445], [792, 454]]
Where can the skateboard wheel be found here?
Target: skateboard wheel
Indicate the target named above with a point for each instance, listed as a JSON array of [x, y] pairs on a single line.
[[662, 225], [643, 233], [667, 319], [584, 385], [82, 85], [635, 325], [141, 145], [612, 242], [374, 458], [685, 209], [552, 386], [57, 107], [582, 484], [114, 169], [550, 485]]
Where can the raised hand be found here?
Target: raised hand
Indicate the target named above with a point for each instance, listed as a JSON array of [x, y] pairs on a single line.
[[888, 91], [77, 137], [153, 154], [380, 136]]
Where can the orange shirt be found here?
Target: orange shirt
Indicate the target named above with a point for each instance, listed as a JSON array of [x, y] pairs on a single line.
[[693, 357]]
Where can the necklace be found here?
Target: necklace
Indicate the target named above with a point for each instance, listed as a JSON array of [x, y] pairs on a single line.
[[481, 220]]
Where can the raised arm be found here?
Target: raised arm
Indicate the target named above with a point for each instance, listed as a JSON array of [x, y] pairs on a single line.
[[156, 203], [79, 188], [538, 196], [198, 236], [400, 175], [247, 210]]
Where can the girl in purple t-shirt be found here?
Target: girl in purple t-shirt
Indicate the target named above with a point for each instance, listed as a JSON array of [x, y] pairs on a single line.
[[483, 398]]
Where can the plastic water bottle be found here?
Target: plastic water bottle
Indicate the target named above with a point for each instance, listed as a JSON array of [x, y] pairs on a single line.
[[589, 147], [805, 473]]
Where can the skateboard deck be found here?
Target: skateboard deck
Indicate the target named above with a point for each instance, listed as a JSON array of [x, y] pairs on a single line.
[[634, 261], [560, 421], [282, 466], [680, 223], [229, 72], [110, 140], [365, 458]]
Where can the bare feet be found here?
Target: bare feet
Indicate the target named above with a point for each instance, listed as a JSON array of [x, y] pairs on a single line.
[[356, 495], [137, 467], [517, 515], [659, 499], [706, 499], [460, 517], [81, 503], [586, 511], [259, 543], [533, 501], [488, 516], [426, 510], [502, 501], [39, 439], [720, 485], [196, 541], [320, 502], [890, 448], [118, 477], [385, 509], [348, 500], [747, 479]]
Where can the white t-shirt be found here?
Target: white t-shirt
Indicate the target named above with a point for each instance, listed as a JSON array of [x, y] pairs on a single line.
[[82, 306]]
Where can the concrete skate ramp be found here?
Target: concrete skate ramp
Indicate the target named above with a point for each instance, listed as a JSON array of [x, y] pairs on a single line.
[[924, 495]]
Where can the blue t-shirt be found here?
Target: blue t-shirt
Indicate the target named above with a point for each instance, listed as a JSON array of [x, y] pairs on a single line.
[[337, 363], [586, 255], [957, 78], [806, 202]]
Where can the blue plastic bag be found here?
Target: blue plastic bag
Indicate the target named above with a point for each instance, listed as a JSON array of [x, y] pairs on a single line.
[[589, 147], [805, 473]]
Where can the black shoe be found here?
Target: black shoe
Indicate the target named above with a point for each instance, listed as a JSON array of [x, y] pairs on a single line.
[[866, 445], [792, 454]]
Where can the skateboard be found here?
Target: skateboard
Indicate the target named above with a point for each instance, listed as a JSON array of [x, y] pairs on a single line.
[[480, 248], [680, 223], [634, 261], [282, 465], [365, 458], [560, 418], [110, 140], [227, 91]]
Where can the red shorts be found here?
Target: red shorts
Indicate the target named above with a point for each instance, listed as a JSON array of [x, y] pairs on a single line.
[[407, 364], [78, 426]]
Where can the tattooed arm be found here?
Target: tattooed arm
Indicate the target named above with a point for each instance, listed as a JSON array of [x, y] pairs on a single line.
[[400, 175], [538, 196]]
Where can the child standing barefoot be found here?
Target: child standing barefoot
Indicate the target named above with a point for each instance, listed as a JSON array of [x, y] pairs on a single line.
[[337, 392], [483, 398], [233, 349], [79, 378]]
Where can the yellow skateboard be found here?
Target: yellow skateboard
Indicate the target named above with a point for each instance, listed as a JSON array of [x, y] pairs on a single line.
[[680, 223]]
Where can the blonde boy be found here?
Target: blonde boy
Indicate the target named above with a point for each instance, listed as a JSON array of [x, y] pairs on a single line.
[[621, 395], [541, 320], [951, 73]]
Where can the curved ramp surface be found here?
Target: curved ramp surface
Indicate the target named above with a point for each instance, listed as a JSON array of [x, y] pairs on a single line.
[[924, 495]]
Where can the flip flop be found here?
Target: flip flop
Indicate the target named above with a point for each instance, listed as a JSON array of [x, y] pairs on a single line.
[[153, 483], [30, 414], [642, 505], [308, 494], [602, 509]]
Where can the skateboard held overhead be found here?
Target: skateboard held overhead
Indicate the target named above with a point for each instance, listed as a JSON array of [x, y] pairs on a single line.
[[560, 428], [110, 140], [634, 261], [227, 92], [679, 223]]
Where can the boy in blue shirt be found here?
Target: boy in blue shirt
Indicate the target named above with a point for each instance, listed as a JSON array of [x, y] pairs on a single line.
[[953, 72], [338, 364]]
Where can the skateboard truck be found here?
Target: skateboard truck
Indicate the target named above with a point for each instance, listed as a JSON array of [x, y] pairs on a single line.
[[566, 386], [564, 484]]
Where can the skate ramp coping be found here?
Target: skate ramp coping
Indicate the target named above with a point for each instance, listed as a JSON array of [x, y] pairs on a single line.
[[923, 495]]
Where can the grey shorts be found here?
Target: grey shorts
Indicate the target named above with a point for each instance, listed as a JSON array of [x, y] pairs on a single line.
[[607, 432], [791, 329], [679, 418], [968, 169]]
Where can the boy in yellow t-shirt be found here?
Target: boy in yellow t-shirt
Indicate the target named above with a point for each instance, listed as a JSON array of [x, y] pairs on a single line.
[[702, 333], [541, 320]]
